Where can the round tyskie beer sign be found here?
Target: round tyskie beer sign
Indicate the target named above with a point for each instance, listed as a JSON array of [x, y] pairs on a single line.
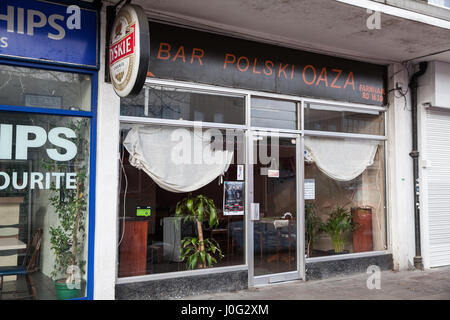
[[129, 50]]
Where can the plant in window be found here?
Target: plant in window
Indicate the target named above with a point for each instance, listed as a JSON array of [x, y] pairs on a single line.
[[312, 226], [339, 222], [198, 251], [68, 234]]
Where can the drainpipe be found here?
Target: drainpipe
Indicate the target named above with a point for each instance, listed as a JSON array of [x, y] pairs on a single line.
[[413, 84]]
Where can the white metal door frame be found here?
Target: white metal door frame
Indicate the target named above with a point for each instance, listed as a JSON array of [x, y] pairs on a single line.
[[299, 273]]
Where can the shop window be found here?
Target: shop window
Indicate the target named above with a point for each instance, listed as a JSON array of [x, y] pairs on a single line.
[[344, 196], [178, 186], [178, 104], [340, 119], [44, 194], [270, 113], [30, 87]]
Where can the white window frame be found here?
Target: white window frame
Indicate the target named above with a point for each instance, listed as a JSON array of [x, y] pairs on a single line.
[[247, 128]]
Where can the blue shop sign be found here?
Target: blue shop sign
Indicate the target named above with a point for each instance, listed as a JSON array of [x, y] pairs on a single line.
[[49, 32]]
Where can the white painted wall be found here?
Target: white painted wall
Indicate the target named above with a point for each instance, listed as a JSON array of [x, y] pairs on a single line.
[[442, 84], [434, 85], [400, 173], [106, 183]]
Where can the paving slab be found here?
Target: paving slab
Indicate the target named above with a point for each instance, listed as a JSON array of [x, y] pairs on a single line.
[[431, 284]]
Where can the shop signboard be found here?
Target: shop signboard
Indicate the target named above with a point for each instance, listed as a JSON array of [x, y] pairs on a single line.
[[129, 50], [44, 31], [192, 55]]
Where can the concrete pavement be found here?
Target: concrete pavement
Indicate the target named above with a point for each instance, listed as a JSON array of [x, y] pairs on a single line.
[[432, 284]]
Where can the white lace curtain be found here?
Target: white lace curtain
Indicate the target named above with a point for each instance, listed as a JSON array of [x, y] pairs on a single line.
[[177, 159], [341, 159]]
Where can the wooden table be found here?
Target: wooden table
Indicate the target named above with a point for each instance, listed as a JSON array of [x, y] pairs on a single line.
[[11, 244]]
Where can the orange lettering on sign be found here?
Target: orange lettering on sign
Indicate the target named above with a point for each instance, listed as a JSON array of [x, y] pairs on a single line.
[[164, 51], [348, 82], [180, 54], [229, 55], [197, 56], [247, 64], [254, 67], [309, 83], [268, 70], [281, 69], [333, 84], [323, 77]]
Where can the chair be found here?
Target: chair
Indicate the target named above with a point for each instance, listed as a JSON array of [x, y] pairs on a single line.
[[234, 228], [29, 266], [220, 234]]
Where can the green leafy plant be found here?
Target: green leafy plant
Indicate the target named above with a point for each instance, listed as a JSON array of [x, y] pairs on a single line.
[[194, 255], [312, 227], [339, 222], [198, 251], [68, 235]]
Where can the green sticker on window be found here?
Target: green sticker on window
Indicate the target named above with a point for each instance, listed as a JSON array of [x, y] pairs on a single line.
[[143, 212]]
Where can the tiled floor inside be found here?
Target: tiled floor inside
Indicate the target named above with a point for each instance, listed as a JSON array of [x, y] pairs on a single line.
[[44, 287]]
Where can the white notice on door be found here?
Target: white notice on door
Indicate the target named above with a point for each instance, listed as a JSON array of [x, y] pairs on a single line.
[[310, 189]]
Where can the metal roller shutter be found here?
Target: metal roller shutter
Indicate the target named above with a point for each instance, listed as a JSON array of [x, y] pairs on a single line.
[[437, 149]]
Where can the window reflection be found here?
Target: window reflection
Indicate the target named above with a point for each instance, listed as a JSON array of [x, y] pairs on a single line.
[[29, 87], [335, 119]]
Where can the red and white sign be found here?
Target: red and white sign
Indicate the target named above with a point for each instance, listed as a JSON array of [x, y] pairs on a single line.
[[129, 50], [123, 48]]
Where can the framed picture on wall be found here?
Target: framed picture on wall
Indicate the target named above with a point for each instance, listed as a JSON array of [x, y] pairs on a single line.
[[233, 198]]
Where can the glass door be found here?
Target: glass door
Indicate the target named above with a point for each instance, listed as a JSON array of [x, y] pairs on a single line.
[[275, 209]]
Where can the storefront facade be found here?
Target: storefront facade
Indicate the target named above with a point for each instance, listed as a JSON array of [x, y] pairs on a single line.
[[277, 119], [48, 71], [241, 162]]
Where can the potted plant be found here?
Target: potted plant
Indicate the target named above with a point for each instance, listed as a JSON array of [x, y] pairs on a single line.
[[68, 234], [312, 227], [198, 251], [338, 224]]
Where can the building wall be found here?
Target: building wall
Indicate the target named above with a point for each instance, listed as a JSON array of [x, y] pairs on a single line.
[[400, 172], [107, 182]]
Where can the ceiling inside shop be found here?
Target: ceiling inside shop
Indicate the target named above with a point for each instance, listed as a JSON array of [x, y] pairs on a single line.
[[325, 26]]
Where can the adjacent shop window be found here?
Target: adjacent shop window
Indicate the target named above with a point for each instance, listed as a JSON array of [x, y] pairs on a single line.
[[321, 117], [271, 113], [44, 193], [344, 196], [442, 3], [30, 87], [179, 104], [181, 199]]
